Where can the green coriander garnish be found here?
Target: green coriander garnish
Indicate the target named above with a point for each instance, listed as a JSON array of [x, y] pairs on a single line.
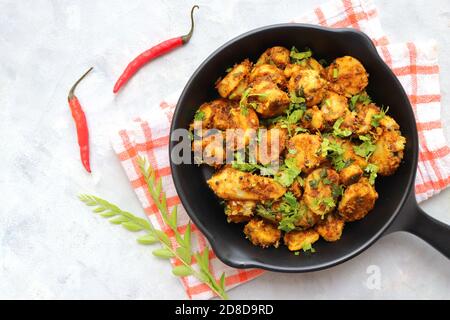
[[335, 73], [199, 116], [372, 170], [366, 148], [338, 132], [377, 117]]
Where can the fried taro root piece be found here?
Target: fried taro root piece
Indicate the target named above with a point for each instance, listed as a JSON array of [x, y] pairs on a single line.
[[232, 184]]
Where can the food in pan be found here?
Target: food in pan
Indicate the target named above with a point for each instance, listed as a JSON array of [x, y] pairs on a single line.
[[304, 141]]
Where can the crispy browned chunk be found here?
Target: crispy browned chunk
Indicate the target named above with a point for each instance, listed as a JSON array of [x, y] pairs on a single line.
[[331, 227], [349, 155], [358, 199], [228, 115], [232, 184], [307, 64], [232, 80], [297, 240], [262, 233], [347, 76], [364, 117], [208, 148], [350, 174], [318, 194], [307, 218], [268, 71], [388, 152], [278, 56], [313, 119], [333, 107], [309, 84], [239, 211], [268, 99], [271, 143], [304, 148]]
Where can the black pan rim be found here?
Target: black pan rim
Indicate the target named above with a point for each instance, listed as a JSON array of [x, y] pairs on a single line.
[[273, 266]]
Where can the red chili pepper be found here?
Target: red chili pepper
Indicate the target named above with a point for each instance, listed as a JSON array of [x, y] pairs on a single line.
[[81, 124], [153, 53]]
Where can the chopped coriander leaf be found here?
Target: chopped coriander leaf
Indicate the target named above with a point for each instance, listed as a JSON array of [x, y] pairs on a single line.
[[366, 148], [266, 213], [290, 211], [314, 184], [296, 99], [336, 191], [323, 173], [267, 170], [327, 102], [244, 110], [297, 57], [292, 151], [338, 132], [308, 247], [287, 173], [377, 117], [297, 253], [372, 170], [228, 69], [199, 116], [327, 181], [328, 201], [334, 151], [335, 73], [353, 101], [363, 98]]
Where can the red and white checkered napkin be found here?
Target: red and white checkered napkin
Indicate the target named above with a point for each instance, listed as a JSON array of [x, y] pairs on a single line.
[[416, 66]]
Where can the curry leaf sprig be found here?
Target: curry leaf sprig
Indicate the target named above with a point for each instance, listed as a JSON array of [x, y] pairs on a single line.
[[182, 252]]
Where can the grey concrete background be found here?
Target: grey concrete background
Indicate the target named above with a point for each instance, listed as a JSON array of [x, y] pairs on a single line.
[[52, 247]]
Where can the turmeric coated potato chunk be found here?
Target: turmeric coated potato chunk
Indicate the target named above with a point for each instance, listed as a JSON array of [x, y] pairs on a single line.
[[239, 211], [304, 148], [262, 233], [364, 117], [269, 100], [232, 80], [208, 148], [358, 199], [388, 152], [297, 240], [269, 72], [313, 119], [333, 107], [309, 84], [232, 184], [228, 115], [271, 143], [330, 228], [307, 64], [307, 218], [278, 56], [347, 76], [318, 194], [350, 174]]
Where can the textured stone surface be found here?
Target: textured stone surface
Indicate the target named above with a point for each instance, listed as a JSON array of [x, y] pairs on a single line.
[[52, 247]]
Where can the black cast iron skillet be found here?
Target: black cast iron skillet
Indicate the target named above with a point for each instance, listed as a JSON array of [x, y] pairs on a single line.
[[396, 208]]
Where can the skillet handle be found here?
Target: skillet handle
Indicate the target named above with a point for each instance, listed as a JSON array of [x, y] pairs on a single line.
[[414, 220]]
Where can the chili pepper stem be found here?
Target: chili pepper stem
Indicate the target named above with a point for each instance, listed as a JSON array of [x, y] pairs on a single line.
[[72, 90], [188, 36]]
